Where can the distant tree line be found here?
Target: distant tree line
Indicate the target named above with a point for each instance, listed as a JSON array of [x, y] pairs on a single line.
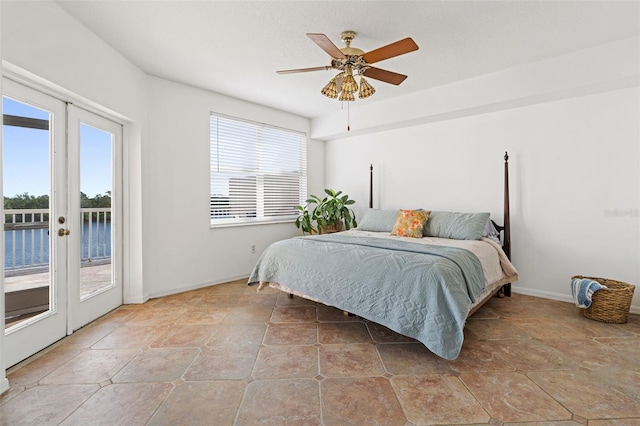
[[26, 201]]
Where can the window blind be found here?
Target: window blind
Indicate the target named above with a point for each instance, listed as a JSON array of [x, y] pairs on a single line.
[[258, 172]]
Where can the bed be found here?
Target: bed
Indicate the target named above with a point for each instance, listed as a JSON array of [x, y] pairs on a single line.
[[424, 287]]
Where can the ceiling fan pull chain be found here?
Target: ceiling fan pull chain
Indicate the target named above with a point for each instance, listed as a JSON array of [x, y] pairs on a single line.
[[348, 119]]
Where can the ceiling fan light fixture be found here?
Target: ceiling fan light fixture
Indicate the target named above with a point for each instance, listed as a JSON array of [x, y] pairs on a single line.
[[366, 89], [349, 84], [331, 89], [347, 96]]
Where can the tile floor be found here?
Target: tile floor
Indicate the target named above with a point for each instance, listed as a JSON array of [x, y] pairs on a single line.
[[227, 355]]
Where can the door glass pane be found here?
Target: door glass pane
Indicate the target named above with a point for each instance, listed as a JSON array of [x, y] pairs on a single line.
[[95, 205], [26, 187]]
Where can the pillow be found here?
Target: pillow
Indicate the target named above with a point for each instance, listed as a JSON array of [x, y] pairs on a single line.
[[491, 232], [457, 226], [375, 220], [410, 223]]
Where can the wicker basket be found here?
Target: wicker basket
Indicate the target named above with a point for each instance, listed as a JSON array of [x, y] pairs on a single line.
[[609, 304]]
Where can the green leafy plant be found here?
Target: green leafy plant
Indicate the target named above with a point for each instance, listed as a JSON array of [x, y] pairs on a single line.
[[329, 214]]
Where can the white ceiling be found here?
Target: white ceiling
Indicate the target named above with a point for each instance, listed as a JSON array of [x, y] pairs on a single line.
[[236, 47]]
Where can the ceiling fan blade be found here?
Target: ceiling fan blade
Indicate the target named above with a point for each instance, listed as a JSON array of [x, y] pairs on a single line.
[[400, 47], [384, 75], [326, 45], [326, 67]]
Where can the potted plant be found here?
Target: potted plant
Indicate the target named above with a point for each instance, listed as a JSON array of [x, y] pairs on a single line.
[[326, 215]]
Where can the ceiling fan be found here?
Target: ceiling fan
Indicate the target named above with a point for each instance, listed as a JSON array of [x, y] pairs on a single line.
[[350, 59]]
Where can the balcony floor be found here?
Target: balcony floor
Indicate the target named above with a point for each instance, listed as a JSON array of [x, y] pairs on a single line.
[[93, 277]]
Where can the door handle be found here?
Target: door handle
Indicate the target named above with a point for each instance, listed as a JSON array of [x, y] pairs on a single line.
[[63, 232]]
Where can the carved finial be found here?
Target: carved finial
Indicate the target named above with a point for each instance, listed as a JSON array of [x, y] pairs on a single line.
[[506, 156]]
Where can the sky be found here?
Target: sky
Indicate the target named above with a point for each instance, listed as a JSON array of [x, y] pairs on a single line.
[[26, 155]]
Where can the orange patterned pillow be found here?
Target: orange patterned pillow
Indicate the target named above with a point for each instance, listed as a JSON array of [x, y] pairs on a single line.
[[410, 223]]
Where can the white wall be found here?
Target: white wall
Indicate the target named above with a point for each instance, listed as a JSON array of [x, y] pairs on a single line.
[[574, 176], [180, 248]]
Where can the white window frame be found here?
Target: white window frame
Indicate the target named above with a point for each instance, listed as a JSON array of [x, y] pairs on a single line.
[[261, 160]]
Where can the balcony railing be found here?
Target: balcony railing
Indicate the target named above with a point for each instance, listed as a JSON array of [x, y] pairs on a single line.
[[27, 238]]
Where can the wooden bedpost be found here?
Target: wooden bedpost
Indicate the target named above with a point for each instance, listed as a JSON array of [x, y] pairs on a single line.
[[507, 221], [371, 186]]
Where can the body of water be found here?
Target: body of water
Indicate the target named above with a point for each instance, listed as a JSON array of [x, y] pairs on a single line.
[[96, 244]]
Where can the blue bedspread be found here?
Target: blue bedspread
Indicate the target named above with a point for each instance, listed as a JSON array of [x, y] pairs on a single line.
[[420, 291]]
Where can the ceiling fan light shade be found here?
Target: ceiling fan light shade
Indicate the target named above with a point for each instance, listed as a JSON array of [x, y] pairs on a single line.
[[347, 96], [331, 89], [349, 84], [366, 89]]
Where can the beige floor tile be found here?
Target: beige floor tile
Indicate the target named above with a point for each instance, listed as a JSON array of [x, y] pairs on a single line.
[[184, 336], [180, 300], [627, 381], [249, 314], [157, 365], [280, 402], [45, 405], [514, 307], [202, 316], [354, 360], [623, 345], [259, 357], [591, 329], [614, 422], [156, 317], [222, 364], [360, 401], [512, 397], [258, 299], [590, 353], [41, 365], [87, 336], [291, 334], [437, 399], [410, 359], [295, 314], [219, 300], [545, 328], [586, 395], [130, 337], [234, 287], [532, 355], [94, 366], [201, 403], [478, 356], [343, 332], [121, 404], [237, 336], [119, 317], [281, 362], [381, 334], [493, 329]]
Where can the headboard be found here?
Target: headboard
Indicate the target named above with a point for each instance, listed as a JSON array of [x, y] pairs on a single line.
[[505, 229]]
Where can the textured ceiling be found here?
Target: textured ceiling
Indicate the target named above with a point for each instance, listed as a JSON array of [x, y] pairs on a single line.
[[236, 47]]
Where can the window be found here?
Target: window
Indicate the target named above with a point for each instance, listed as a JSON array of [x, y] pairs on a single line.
[[258, 172]]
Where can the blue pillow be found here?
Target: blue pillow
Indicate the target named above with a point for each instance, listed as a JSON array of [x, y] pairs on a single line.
[[457, 226], [376, 220]]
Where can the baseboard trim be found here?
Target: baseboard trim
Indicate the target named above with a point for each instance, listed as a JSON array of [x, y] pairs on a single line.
[[556, 296], [4, 385]]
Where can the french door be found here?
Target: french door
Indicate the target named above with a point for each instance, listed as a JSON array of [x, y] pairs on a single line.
[[61, 185]]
